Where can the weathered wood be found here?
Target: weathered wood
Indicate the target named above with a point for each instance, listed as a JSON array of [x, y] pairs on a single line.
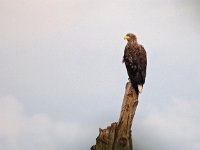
[[118, 135], [123, 140], [105, 140]]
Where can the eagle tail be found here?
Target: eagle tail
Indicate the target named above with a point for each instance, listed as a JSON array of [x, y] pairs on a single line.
[[140, 88]]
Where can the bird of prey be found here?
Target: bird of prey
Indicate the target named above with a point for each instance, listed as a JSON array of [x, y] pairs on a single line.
[[135, 60]]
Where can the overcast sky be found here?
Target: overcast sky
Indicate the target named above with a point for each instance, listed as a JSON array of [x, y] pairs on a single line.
[[62, 78]]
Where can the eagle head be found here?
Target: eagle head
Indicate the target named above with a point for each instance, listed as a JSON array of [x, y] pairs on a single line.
[[130, 37]]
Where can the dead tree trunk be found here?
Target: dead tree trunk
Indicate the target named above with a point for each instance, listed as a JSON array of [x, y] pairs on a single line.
[[118, 135]]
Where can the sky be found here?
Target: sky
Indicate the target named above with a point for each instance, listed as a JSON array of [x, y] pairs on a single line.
[[62, 76]]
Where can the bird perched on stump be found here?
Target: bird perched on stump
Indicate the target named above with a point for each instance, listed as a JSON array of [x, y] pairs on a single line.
[[135, 60]]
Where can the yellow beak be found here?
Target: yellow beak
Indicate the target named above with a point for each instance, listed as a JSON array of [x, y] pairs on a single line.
[[126, 37]]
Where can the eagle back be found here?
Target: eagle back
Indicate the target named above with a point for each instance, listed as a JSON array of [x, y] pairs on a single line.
[[132, 53]]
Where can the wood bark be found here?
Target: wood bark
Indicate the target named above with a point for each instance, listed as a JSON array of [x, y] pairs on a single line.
[[118, 136]]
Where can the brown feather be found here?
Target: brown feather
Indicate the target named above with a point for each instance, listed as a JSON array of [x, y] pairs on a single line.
[[136, 61]]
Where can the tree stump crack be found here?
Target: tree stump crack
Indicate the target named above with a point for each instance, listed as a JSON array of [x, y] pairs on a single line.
[[118, 136]]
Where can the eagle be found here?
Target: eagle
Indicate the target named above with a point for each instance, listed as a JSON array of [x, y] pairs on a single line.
[[135, 60]]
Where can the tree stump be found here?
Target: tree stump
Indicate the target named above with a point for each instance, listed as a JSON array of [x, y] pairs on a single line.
[[118, 135]]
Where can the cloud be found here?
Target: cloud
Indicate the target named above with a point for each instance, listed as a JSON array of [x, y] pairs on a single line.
[[173, 125], [39, 131]]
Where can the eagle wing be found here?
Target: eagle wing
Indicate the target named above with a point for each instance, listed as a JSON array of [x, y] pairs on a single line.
[[142, 63], [136, 62]]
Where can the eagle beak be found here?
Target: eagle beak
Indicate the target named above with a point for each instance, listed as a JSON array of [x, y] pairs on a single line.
[[126, 37]]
